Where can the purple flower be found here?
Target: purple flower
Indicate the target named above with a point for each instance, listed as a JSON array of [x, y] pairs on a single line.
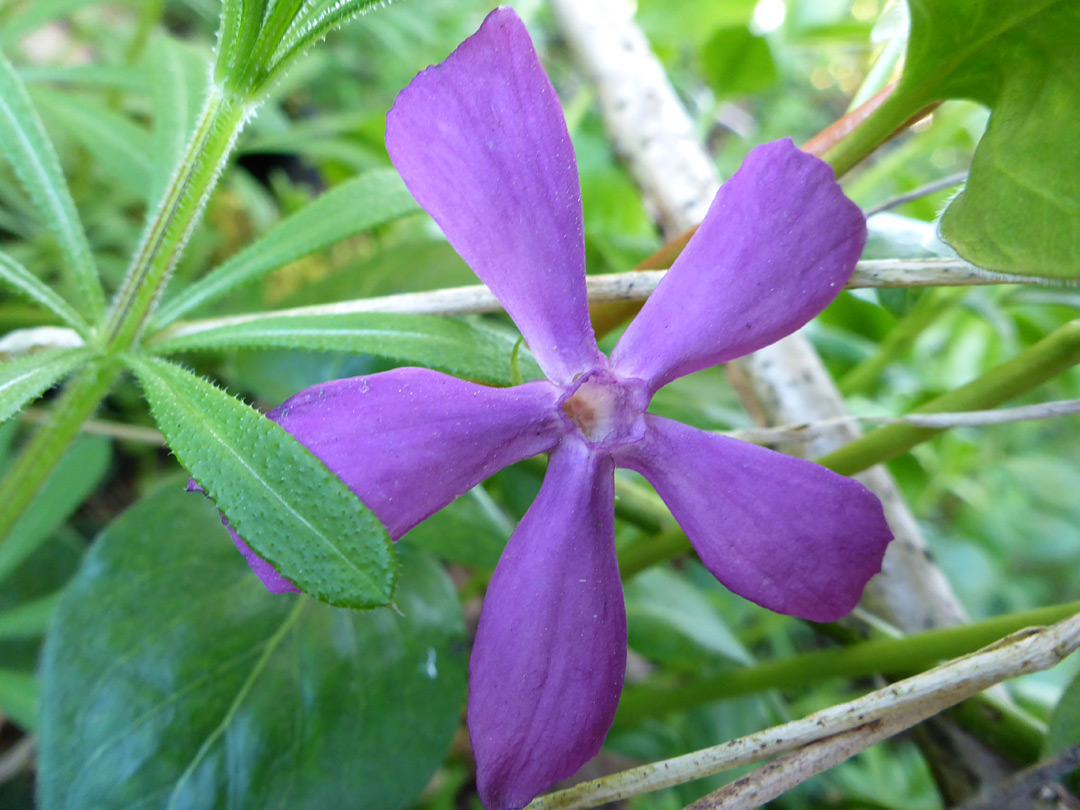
[[481, 142]]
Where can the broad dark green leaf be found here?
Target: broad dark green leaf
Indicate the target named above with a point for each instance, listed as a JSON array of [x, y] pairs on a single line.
[[356, 205], [1064, 731], [113, 141], [172, 679], [79, 473], [26, 378], [27, 147], [449, 345], [1020, 209], [280, 498], [20, 279]]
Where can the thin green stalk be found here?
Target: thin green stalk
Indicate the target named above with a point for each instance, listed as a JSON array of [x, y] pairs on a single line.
[[149, 16], [893, 113], [646, 553], [24, 478], [891, 656], [928, 309], [218, 126], [1051, 356]]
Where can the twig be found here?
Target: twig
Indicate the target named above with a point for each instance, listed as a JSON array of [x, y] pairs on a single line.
[[918, 193], [809, 430], [636, 285], [632, 286], [23, 341], [1020, 789], [910, 700], [18, 758], [100, 427]]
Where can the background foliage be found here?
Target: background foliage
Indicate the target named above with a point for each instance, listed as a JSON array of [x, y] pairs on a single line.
[[169, 673]]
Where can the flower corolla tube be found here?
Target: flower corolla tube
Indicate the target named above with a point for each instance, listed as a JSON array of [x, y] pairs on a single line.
[[482, 144]]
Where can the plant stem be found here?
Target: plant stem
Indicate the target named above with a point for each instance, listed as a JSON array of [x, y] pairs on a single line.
[[895, 111], [892, 656], [933, 304], [80, 399], [185, 198], [218, 126], [1052, 355]]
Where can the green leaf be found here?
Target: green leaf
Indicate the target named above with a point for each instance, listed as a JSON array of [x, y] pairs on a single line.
[[737, 63], [178, 85], [36, 14], [691, 20], [371, 199], [671, 621], [1064, 731], [27, 147], [78, 474], [472, 530], [19, 698], [27, 620], [23, 281], [24, 379], [1020, 209], [172, 679], [279, 497], [114, 142], [456, 347], [317, 19]]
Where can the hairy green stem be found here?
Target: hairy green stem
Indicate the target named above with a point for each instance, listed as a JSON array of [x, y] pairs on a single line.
[[1051, 356], [890, 656], [218, 126], [24, 478], [185, 198]]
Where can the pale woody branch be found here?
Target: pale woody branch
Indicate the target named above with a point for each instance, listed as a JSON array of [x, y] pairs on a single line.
[[822, 739]]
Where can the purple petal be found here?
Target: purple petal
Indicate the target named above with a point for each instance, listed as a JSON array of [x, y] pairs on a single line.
[[274, 582], [547, 668], [785, 533], [776, 247], [481, 142], [409, 441]]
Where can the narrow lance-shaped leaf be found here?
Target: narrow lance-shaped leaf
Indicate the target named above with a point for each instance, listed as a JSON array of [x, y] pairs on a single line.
[[278, 496], [113, 141], [371, 199], [455, 347], [317, 20], [78, 474], [26, 283], [24, 379], [28, 620], [25, 144]]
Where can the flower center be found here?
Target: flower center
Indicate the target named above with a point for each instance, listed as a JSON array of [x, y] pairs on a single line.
[[608, 411]]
